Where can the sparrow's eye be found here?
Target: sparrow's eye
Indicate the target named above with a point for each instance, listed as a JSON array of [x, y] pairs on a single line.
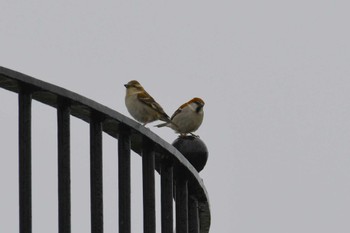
[[199, 103]]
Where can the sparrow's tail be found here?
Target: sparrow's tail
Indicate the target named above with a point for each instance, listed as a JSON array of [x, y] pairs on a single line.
[[168, 124], [162, 125]]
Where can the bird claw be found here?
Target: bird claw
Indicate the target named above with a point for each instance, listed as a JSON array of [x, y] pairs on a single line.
[[194, 135], [182, 135]]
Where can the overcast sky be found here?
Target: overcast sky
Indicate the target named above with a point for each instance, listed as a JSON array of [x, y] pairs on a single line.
[[275, 77]]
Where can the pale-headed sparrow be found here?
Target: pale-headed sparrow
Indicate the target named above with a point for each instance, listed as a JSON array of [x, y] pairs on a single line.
[[141, 105], [187, 118]]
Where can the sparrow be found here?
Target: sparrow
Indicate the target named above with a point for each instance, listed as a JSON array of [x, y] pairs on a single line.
[[187, 118], [141, 106]]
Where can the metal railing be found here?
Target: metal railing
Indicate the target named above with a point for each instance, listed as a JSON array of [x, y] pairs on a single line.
[[178, 177]]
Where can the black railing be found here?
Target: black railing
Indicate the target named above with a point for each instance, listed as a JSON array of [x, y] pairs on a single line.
[[178, 177]]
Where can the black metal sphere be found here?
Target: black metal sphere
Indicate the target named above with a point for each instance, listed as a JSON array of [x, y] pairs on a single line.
[[194, 149]]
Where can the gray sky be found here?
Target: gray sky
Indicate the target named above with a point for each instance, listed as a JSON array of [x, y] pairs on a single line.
[[274, 76]]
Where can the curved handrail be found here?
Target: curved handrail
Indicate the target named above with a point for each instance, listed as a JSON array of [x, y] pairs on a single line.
[[82, 107]]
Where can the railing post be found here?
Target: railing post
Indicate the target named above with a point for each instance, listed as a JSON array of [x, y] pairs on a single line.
[[195, 150], [167, 197], [181, 204], [149, 212], [25, 161], [64, 180], [96, 174], [193, 215], [124, 179]]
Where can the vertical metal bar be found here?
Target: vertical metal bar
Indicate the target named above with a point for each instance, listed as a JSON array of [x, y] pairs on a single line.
[[193, 215], [167, 197], [25, 161], [124, 179], [96, 175], [181, 205], [64, 191], [149, 213]]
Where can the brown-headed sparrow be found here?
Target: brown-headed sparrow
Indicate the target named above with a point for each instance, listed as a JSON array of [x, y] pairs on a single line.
[[141, 105], [187, 118]]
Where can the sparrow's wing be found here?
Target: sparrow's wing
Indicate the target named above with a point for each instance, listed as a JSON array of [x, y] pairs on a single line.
[[148, 100], [178, 110]]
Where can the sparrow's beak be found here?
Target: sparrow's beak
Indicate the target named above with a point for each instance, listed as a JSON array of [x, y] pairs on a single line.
[[126, 85]]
